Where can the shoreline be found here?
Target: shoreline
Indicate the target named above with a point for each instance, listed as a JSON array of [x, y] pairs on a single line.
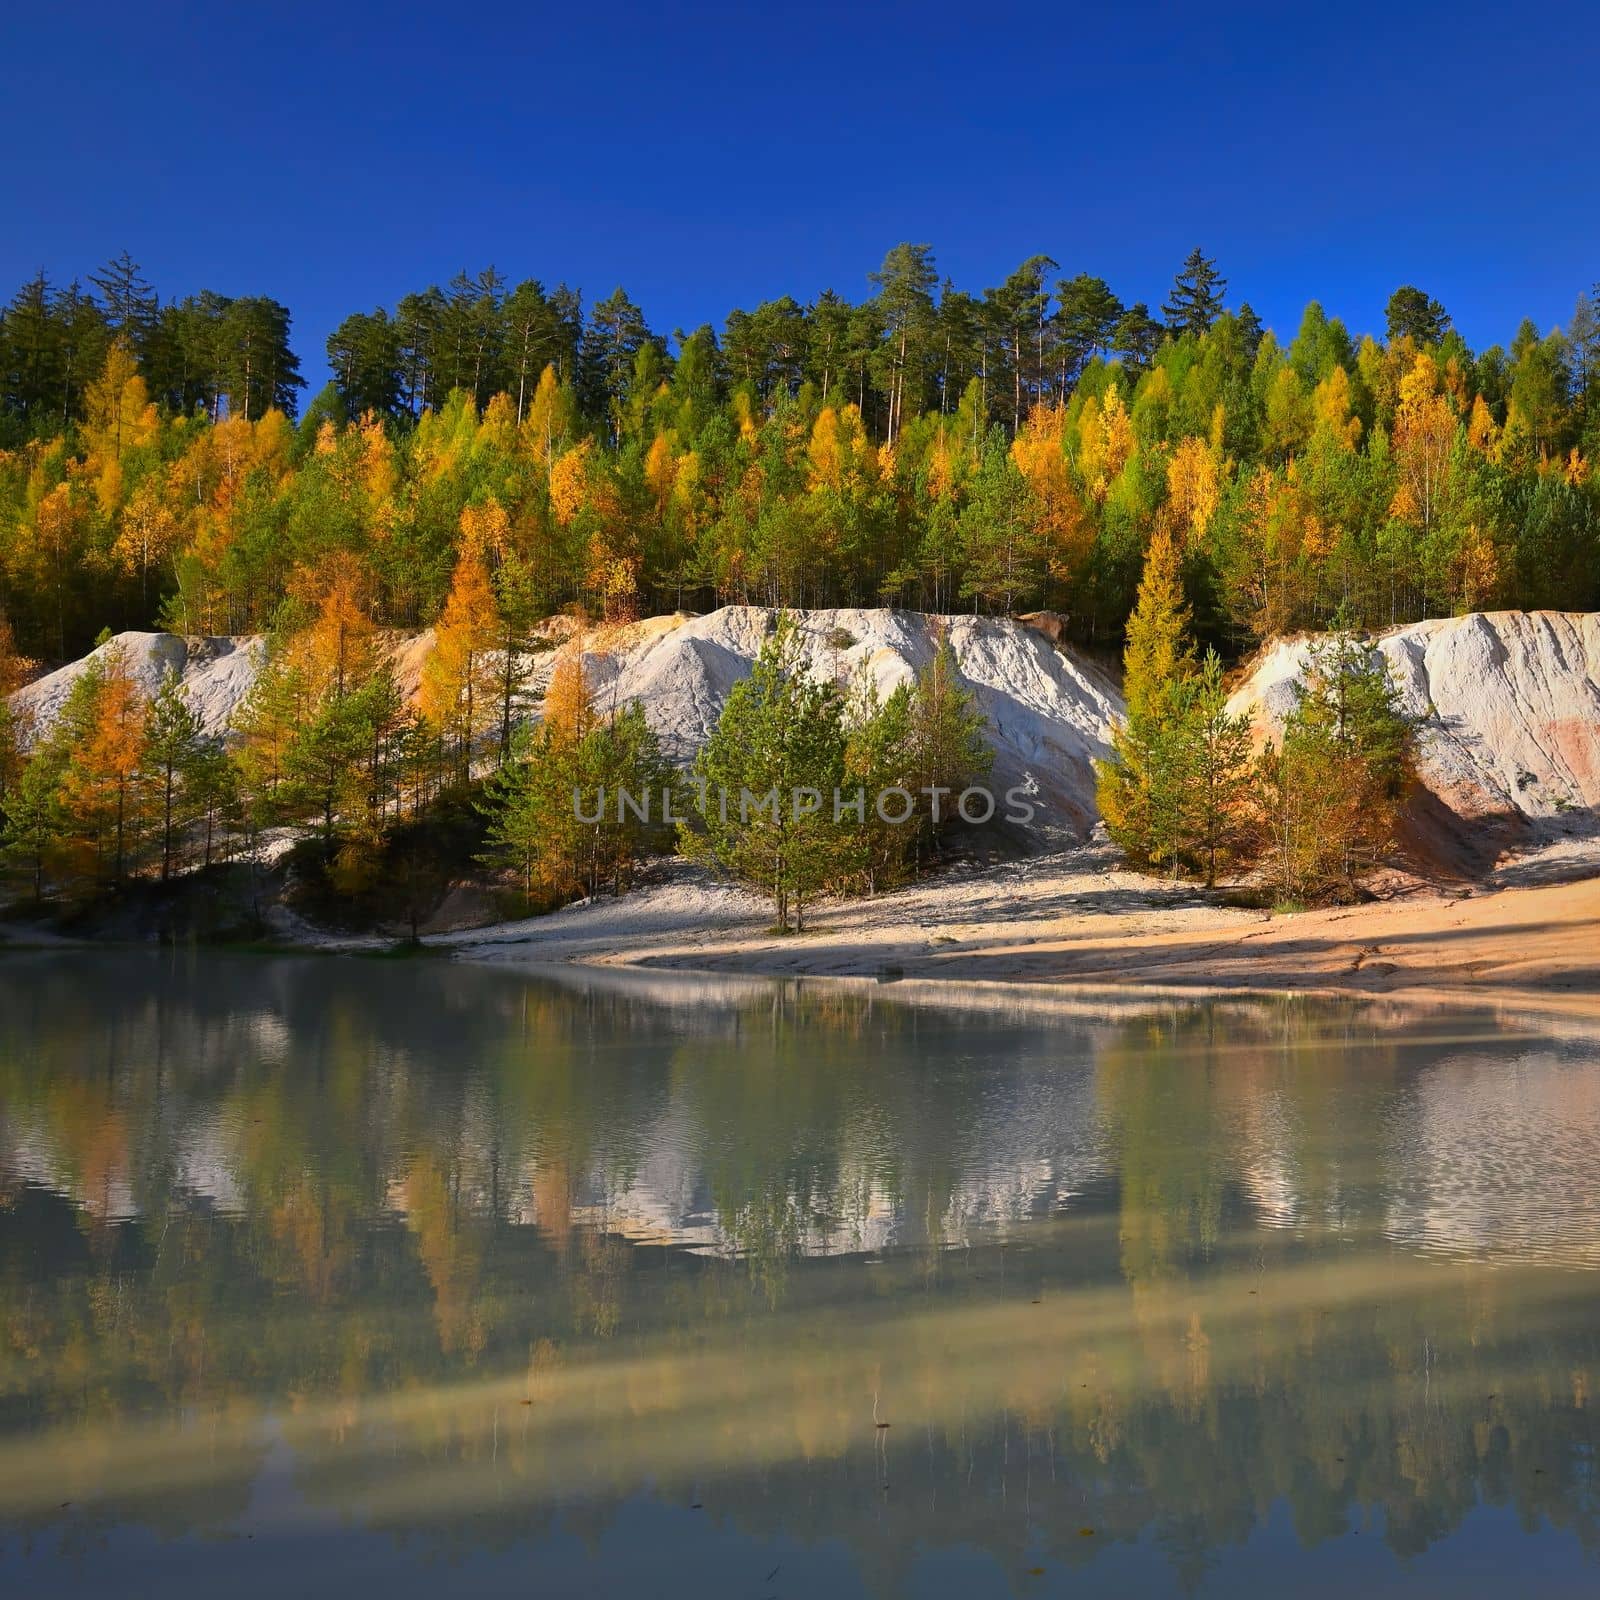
[[1075, 920], [1079, 921]]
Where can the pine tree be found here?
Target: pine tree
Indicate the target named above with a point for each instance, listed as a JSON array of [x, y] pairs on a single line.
[[1196, 300], [1217, 767], [1333, 788], [175, 766], [947, 744], [33, 824], [1410, 314], [879, 756], [778, 745]]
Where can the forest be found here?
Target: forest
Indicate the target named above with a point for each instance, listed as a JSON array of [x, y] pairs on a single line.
[[489, 456], [921, 446]]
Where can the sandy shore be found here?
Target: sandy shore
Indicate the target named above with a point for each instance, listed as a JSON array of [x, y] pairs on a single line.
[[1078, 918]]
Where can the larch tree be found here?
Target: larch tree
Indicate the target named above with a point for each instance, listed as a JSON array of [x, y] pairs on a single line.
[[1159, 651], [1141, 789], [102, 783], [459, 676], [13, 729], [1333, 787]]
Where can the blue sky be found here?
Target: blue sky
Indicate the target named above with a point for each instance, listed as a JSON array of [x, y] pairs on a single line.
[[337, 156]]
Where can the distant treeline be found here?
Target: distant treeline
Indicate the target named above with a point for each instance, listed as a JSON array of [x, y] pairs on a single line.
[[924, 446]]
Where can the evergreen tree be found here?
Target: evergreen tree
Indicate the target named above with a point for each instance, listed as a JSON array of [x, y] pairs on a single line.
[[175, 768], [767, 778], [1087, 317], [879, 756], [1216, 764], [33, 822], [1332, 789], [905, 284], [1137, 337], [1410, 314], [948, 748], [1196, 299], [131, 305], [364, 355]]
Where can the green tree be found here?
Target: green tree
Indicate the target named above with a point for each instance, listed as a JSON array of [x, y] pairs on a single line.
[[905, 284], [1217, 769], [1333, 788], [1410, 314], [1087, 317], [33, 823], [1143, 789], [768, 776], [948, 748], [1196, 299], [175, 765]]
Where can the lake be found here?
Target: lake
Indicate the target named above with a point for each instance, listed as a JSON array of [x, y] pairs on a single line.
[[444, 1279]]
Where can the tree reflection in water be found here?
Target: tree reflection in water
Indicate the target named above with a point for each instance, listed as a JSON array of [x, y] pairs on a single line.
[[486, 1253]]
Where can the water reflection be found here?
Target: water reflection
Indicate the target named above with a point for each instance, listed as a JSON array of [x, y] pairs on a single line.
[[468, 1258]]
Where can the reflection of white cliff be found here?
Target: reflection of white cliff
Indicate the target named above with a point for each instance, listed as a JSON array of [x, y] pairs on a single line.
[[1494, 1158], [1034, 1144]]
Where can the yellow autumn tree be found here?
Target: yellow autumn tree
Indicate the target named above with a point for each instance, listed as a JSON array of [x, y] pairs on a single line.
[[118, 417], [100, 791], [1332, 411], [458, 677], [1424, 433], [1483, 432], [1475, 570], [568, 699], [486, 527], [1194, 488], [1057, 513], [839, 455], [569, 483], [150, 533], [661, 470], [338, 649], [1105, 441], [1263, 579], [548, 422]]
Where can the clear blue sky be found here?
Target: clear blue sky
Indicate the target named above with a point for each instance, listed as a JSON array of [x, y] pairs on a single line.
[[336, 156]]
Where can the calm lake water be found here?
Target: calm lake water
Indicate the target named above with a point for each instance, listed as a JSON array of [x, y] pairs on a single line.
[[448, 1280]]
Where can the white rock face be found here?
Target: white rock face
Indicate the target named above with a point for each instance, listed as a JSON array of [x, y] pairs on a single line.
[[215, 675], [1508, 702], [1049, 713]]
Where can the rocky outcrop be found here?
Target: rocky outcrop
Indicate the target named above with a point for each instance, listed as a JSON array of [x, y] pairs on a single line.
[[1507, 703], [215, 674], [1049, 710], [1508, 711]]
